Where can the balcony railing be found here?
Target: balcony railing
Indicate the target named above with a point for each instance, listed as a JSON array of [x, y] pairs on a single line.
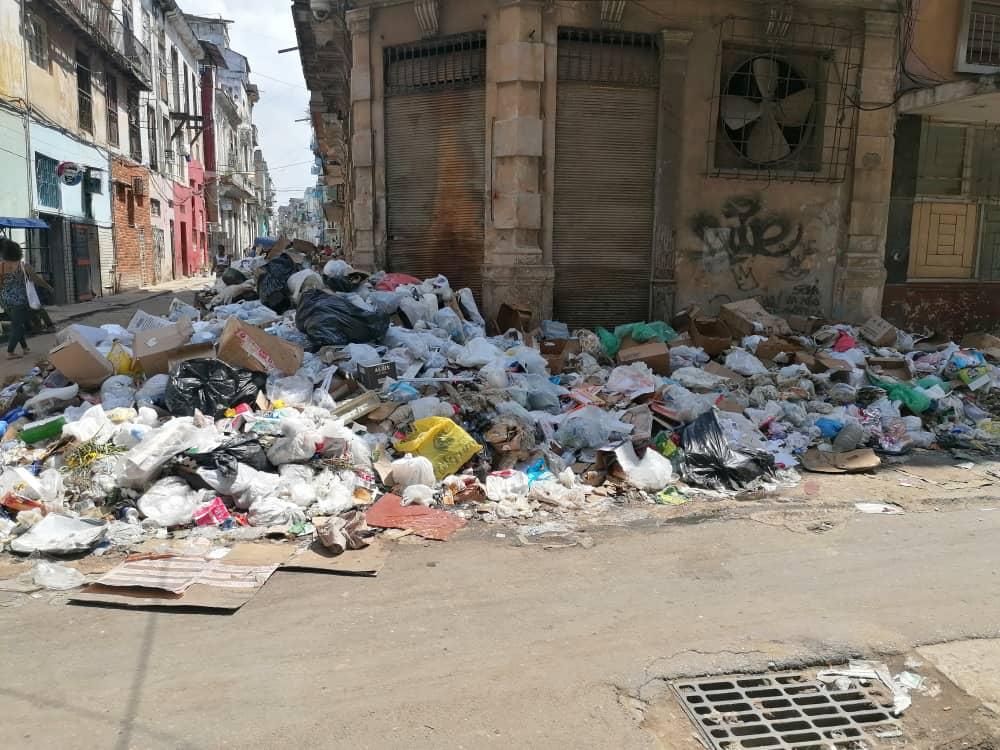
[[95, 18]]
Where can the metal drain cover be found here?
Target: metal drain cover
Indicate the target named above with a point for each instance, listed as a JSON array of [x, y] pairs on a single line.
[[786, 711]]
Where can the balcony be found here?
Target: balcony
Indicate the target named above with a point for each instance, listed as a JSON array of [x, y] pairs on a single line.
[[106, 30]]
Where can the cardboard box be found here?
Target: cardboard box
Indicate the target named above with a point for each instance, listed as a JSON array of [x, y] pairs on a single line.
[[654, 354], [557, 353], [895, 367], [81, 363], [683, 340], [984, 342], [804, 324], [714, 368], [681, 322], [513, 316], [802, 358], [191, 351], [878, 332], [153, 349], [711, 334], [748, 316], [771, 347], [244, 345], [826, 363], [371, 376]]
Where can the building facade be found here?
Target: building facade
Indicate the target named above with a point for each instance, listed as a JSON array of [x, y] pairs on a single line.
[[943, 248], [612, 161]]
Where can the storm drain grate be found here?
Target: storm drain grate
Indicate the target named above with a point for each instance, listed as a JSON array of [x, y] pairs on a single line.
[[786, 711]]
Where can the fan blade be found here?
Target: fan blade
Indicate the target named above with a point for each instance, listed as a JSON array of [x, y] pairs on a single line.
[[765, 73], [794, 110], [738, 112], [766, 142]]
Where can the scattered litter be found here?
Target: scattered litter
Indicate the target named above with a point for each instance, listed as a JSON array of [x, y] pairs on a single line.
[[880, 508]]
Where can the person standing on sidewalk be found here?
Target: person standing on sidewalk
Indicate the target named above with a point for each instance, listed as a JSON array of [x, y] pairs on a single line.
[[14, 275]]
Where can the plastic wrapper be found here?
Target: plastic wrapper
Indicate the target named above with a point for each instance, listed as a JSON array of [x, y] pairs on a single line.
[[272, 285], [447, 445], [339, 319], [632, 380], [652, 473], [294, 390], [744, 363], [711, 461], [139, 465], [211, 386], [589, 427], [118, 392], [170, 502], [411, 470]]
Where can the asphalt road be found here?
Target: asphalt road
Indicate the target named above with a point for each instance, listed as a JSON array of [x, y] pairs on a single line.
[[476, 643]]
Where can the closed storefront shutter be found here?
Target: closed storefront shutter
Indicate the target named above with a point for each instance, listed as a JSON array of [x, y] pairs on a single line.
[[435, 147], [106, 244], [605, 167]]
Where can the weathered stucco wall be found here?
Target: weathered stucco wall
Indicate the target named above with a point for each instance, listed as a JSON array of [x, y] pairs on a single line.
[[11, 53], [717, 239], [935, 32], [14, 190]]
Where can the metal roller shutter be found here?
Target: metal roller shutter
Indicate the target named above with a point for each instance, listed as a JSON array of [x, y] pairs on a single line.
[[106, 243], [605, 168], [435, 133]]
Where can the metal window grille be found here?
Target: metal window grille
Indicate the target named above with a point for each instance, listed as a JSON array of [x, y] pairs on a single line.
[[785, 102], [84, 100], [982, 39], [154, 146], [134, 129], [622, 58], [38, 42], [111, 99], [47, 181], [454, 61]]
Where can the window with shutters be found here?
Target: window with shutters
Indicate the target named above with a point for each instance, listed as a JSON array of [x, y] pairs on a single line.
[[154, 146], [84, 98], [37, 34], [111, 99], [134, 128], [47, 181], [955, 227], [978, 49]]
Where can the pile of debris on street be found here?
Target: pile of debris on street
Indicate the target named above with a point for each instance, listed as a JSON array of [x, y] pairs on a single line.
[[307, 401]]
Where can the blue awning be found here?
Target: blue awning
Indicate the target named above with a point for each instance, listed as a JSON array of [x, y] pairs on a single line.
[[265, 241], [12, 223]]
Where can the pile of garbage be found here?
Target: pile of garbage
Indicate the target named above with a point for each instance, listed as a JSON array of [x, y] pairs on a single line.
[[322, 403]]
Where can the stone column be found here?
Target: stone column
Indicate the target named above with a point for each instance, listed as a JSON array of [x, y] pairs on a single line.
[[514, 269], [361, 251], [669, 148], [861, 273]]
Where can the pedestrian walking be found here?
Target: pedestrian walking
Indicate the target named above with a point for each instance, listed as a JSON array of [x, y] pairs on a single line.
[[14, 277]]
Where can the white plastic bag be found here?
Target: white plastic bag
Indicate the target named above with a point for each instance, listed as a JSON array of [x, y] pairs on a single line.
[[589, 427], [412, 470], [299, 443], [418, 494], [56, 577], [92, 425], [58, 534], [632, 380], [139, 465], [49, 399], [77, 332], [334, 492], [170, 502], [697, 379], [509, 486], [467, 302], [555, 493], [431, 406], [117, 392], [743, 362], [477, 353], [294, 390], [275, 512], [153, 391], [652, 473]]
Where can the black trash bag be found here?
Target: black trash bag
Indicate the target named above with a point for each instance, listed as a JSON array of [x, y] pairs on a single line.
[[272, 286], [233, 276], [711, 461], [343, 283], [334, 320], [211, 386], [244, 449]]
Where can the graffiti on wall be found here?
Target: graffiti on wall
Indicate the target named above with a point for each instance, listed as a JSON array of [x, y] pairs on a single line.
[[744, 235], [801, 299]]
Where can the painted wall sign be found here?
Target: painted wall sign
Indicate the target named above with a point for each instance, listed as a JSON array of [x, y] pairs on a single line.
[[70, 173]]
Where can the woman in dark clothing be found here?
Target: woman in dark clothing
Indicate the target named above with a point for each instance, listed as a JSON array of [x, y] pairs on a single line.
[[14, 275]]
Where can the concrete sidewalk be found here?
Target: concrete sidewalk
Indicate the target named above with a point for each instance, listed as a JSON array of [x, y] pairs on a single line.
[[62, 314]]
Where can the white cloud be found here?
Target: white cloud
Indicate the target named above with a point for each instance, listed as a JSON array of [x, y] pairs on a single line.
[[260, 29]]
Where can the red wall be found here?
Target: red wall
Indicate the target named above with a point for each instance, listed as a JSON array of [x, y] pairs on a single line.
[[190, 222]]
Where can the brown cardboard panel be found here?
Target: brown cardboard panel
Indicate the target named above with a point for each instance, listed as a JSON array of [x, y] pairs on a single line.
[[745, 316], [81, 363], [244, 345], [154, 348], [848, 462], [878, 331], [654, 354], [711, 334], [361, 562]]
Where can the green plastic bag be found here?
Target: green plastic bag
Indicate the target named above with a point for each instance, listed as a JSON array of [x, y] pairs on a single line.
[[641, 333], [914, 400]]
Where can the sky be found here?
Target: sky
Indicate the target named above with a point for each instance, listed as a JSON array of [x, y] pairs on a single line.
[[260, 29]]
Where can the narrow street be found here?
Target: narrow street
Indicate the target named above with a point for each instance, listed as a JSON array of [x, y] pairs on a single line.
[[477, 643]]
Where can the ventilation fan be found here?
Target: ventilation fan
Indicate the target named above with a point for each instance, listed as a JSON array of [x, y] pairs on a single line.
[[767, 109]]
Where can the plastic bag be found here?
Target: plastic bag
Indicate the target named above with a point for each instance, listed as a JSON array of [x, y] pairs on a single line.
[[211, 386], [390, 281], [300, 443], [467, 304], [418, 309], [589, 427], [418, 494], [294, 390], [180, 309], [697, 379], [92, 335], [411, 470], [302, 281], [744, 363], [226, 458], [233, 277], [56, 577], [448, 319], [652, 473], [153, 391], [93, 425], [339, 319], [49, 399], [170, 502], [509, 486], [335, 492], [556, 493], [641, 333], [688, 356], [477, 353], [141, 463], [710, 461], [447, 445], [120, 357], [913, 398], [272, 286], [632, 380], [272, 511], [118, 392]]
